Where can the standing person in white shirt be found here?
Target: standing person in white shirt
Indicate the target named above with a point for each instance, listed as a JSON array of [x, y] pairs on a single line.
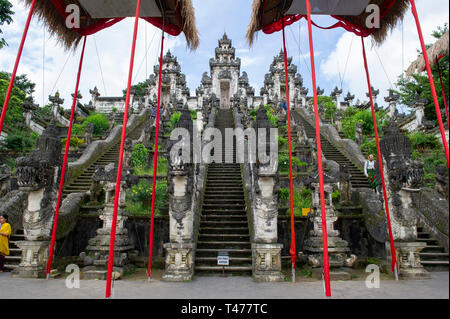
[[369, 171]]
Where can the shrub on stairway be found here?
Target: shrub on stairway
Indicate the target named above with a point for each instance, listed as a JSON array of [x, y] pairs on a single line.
[[100, 121], [283, 164], [75, 142], [302, 199], [20, 141], [174, 120], [139, 156], [328, 105], [139, 197]]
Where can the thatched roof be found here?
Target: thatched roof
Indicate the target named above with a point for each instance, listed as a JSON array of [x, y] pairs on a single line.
[[69, 38], [434, 52], [274, 10]]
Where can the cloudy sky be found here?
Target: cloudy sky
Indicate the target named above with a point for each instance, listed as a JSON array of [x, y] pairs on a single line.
[[338, 53]]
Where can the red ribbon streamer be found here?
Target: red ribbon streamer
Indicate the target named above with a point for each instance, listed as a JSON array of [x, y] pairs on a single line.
[[16, 65], [122, 146], [155, 157], [430, 78], [291, 186], [326, 264], [63, 169], [380, 159]]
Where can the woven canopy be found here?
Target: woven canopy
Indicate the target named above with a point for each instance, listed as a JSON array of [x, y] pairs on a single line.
[[436, 51], [96, 15], [270, 15]]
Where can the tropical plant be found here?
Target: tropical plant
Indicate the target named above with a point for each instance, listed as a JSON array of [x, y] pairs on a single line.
[[419, 84], [302, 199], [20, 140], [142, 193], [75, 142], [283, 163], [139, 156], [5, 17], [328, 105], [174, 120]]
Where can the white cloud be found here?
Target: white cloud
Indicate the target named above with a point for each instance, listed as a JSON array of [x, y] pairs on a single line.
[[247, 60]]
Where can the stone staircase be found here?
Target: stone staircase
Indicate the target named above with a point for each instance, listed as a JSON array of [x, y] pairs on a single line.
[[83, 182], [433, 257], [15, 253], [224, 224], [331, 153]]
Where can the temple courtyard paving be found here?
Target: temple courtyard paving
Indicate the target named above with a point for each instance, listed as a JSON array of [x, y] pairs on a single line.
[[233, 287]]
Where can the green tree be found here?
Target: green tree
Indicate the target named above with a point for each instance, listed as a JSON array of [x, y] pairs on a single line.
[[419, 83], [139, 89], [328, 105], [15, 110], [5, 17]]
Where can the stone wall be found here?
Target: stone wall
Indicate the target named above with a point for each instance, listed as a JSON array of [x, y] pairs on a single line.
[[352, 230], [138, 231]]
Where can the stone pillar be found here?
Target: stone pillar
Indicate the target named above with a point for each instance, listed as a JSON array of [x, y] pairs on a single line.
[[180, 251], [404, 177], [38, 175], [34, 259], [337, 95], [338, 250], [266, 251], [408, 258], [392, 100], [98, 248]]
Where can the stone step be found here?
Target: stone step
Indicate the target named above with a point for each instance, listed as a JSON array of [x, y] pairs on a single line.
[[433, 255], [433, 248], [434, 262], [13, 258], [223, 207], [215, 251], [222, 217], [226, 268], [10, 266], [226, 223], [224, 244], [226, 201], [241, 213], [223, 230], [225, 237], [212, 261]]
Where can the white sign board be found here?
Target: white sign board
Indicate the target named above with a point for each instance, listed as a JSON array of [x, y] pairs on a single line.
[[223, 260]]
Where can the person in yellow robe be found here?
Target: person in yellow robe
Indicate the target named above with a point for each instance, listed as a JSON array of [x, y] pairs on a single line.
[[5, 232]]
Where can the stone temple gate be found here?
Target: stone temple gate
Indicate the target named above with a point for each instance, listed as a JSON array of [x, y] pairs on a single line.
[[222, 206]]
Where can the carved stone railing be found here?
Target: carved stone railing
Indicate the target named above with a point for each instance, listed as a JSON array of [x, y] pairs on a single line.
[[348, 147], [261, 192], [97, 148], [433, 214]]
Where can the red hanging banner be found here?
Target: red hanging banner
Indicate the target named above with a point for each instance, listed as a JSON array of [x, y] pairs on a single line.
[[326, 264], [122, 146], [380, 163], [16, 65], [291, 186], [63, 169], [155, 159]]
